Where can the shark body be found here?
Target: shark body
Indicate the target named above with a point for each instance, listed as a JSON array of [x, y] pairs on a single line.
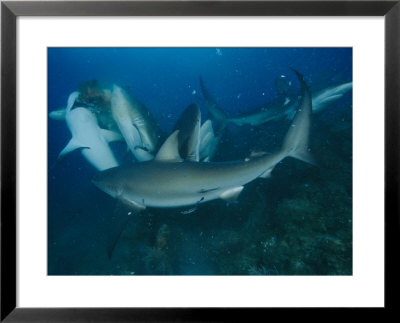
[[282, 107], [135, 123], [89, 137], [188, 125], [168, 181], [196, 143]]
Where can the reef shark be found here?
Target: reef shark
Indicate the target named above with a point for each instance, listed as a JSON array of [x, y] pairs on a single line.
[[188, 125], [88, 136], [282, 107], [135, 123], [127, 115], [195, 142], [169, 181]]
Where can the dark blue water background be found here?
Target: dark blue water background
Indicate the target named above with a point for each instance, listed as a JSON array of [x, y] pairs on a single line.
[[299, 222]]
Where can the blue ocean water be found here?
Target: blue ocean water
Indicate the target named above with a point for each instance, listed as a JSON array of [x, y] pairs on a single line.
[[298, 222]]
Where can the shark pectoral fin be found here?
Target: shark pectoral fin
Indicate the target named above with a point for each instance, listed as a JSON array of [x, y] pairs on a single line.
[[136, 206], [111, 136], [58, 115], [72, 145], [231, 194], [143, 154], [169, 151], [206, 128], [206, 146], [206, 139], [266, 174], [123, 214]]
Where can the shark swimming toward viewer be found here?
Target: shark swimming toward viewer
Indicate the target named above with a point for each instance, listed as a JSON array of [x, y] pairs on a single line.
[[195, 142], [135, 123], [168, 181]]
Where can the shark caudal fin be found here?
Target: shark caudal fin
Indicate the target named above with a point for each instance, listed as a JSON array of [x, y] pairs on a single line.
[[211, 104], [296, 140]]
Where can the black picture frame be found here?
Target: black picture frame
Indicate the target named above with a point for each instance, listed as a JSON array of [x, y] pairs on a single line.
[[10, 10]]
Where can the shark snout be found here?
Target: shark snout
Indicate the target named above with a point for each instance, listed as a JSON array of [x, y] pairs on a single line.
[[100, 181], [101, 184], [107, 185], [96, 180]]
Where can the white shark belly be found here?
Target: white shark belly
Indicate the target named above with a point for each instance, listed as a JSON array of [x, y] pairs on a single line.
[[166, 199], [122, 115], [89, 137], [101, 158]]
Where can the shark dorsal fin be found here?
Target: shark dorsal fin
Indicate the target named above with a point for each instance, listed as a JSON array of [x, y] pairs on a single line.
[[169, 150], [58, 115]]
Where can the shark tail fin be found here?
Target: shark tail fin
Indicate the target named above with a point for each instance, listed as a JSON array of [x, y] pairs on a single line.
[[212, 107], [296, 140]]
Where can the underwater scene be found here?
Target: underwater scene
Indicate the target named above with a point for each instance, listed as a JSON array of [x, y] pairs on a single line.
[[200, 161]]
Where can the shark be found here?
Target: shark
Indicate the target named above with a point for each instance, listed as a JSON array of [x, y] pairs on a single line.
[[135, 123], [188, 125], [168, 181], [270, 111], [122, 113], [58, 115], [196, 143], [88, 136], [282, 107]]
